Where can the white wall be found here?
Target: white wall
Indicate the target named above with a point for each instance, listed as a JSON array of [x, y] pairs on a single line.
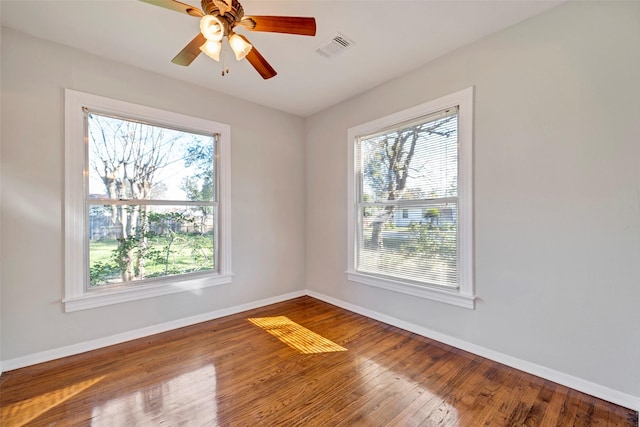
[[267, 196], [557, 193]]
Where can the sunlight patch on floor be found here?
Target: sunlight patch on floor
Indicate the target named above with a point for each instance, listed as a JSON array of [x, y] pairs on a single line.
[[21, 413], [296, 336]]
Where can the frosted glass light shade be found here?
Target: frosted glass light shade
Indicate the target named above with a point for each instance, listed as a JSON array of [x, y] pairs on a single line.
[[212, 49], [239, 46], [211, 28]]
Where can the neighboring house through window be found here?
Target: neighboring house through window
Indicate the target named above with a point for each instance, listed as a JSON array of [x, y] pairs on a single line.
[[410, 201], [147, 202]]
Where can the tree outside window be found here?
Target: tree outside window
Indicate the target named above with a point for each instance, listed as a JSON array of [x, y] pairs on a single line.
[[407, 175], [151, 202]]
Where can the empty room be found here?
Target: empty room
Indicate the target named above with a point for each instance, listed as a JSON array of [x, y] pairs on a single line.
[[319, 213]]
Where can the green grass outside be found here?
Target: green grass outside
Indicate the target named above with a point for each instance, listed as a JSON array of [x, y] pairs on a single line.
[[101, 250], [188, 253]]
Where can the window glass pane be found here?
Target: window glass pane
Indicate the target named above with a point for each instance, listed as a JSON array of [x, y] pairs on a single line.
[[417, 161], [421, 247], [132, 160], [133, 242]]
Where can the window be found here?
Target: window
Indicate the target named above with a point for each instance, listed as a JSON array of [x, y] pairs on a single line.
[[146, 202], [410, 201]]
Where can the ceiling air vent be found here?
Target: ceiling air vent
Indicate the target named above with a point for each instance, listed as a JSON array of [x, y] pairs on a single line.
[[335, 45]]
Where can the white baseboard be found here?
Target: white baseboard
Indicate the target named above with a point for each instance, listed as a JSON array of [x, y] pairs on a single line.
[[593, 389], [70, 350]]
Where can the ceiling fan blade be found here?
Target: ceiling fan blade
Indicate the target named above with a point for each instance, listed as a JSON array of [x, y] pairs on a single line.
[[280, 24], [176, 6], [259, 63], [190, 51]]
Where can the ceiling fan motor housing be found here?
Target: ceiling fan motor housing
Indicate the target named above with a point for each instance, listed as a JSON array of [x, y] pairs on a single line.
[[229, 10]]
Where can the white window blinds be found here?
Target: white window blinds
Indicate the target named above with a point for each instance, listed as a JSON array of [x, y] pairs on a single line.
[[407, 201]]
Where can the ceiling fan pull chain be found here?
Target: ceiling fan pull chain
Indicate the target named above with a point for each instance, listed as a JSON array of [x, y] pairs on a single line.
[[223, 61]]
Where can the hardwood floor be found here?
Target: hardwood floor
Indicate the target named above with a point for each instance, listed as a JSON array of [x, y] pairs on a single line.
[[235, 372]]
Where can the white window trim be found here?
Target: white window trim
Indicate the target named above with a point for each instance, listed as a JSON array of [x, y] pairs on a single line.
[[464, 296], [76, 263]]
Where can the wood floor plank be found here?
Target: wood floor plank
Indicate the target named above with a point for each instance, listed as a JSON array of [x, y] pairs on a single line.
[[230, 372]]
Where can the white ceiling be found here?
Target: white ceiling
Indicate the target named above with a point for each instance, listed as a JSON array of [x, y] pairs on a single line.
[[391, 38]]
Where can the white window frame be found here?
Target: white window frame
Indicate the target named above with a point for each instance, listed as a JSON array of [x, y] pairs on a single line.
[[464, 296], [77, 296]]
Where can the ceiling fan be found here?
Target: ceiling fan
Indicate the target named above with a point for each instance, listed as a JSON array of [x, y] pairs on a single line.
[[218, 18]]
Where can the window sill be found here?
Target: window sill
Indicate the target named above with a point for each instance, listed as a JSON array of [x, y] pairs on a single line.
[[440, 295], [102, 297]]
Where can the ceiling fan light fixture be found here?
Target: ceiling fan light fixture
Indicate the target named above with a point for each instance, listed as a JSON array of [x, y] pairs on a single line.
[[240, 47], [212, 28], [218, 18], [212, 49]]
